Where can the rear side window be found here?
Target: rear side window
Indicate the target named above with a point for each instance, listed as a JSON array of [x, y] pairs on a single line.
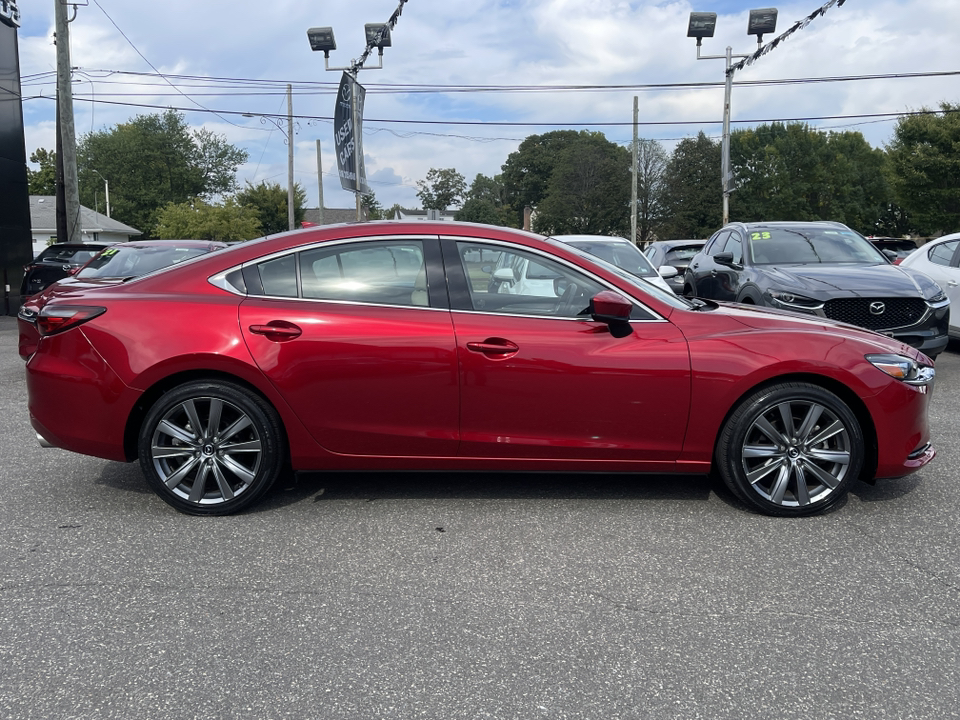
[[943, 253], [387, 273], [279, 277]]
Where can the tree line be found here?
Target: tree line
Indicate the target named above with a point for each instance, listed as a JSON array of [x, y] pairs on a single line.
[[168, 180]]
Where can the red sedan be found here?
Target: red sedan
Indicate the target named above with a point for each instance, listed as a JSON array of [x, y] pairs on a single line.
[[386, 346]]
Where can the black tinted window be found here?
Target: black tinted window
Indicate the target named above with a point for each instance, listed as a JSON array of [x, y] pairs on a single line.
[[279, 277]]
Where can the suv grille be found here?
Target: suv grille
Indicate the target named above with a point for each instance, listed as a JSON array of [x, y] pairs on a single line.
[[897, 312]]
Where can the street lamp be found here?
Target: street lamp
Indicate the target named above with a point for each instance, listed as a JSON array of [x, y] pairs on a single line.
[[106, 189], [702, 24], [348, 112]]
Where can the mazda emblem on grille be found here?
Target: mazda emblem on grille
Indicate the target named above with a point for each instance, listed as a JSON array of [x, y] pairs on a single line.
[[877, 308]]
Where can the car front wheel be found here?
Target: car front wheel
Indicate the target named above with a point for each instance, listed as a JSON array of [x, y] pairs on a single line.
[[211, 448], [791, 449]]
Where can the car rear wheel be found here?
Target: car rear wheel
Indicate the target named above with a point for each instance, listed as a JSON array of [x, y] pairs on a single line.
[[211, 448], [791, 449]]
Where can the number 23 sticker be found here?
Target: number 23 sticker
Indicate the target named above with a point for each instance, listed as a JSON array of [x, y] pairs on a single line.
[[760, 236]]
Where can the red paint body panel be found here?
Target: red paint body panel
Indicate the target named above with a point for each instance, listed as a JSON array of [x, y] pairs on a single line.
[[364, 380], [573, 391], [399, 388]]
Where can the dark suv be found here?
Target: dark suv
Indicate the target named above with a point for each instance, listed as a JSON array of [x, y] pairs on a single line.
[[824, 269], [55, 263]]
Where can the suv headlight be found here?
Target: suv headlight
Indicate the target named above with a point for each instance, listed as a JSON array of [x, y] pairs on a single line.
[[938, 294], [793, 301], [903, 368]]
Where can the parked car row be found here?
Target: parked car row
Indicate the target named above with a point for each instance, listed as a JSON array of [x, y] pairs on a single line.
[[390, 346], [827, 270]]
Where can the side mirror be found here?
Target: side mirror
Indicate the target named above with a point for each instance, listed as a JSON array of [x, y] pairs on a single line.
[[668, 271], [891, 255], [504, 275], [613, 309], [724, 258]]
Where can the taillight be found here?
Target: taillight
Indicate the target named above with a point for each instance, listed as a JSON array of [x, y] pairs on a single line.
[[58, 318]]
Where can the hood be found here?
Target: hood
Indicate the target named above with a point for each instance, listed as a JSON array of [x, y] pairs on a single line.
[[763, 318], [823, 282]]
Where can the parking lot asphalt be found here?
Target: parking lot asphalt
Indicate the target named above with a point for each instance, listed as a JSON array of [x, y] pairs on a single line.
[[472, 596]]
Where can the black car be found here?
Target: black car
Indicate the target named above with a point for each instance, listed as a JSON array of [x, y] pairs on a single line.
[[675, 253], [55, 263], [824, 269]]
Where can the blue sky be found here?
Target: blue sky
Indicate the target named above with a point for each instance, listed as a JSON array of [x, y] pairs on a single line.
[[482, 43]]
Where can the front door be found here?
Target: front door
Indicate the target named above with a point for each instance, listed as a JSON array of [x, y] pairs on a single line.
[[540, 381]]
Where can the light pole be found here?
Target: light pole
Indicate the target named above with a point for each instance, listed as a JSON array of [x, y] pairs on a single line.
[[348, 115], [288, 136], [703, 24], [106, 186]]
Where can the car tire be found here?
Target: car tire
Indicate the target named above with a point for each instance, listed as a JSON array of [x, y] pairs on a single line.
[[791, 449], [225, 467]]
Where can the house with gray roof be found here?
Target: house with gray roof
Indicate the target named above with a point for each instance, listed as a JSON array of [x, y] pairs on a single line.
[[94, 227]]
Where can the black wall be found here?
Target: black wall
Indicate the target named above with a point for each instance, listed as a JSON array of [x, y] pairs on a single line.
[[16, 246]]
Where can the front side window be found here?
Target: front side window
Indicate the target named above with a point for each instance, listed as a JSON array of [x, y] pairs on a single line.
[[735, 245], [517, 282], [716, 245]]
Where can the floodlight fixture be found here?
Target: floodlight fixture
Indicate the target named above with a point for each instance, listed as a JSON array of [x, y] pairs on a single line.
[[702, 24], [321, 39], [762, 22], [373, 30]]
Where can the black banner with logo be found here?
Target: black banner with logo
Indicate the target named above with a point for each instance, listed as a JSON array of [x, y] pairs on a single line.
[[348, 135]]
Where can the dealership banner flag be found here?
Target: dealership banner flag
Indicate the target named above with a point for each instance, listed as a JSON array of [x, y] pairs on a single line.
[[347, 135]]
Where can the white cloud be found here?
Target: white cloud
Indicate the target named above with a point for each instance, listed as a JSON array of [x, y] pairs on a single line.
[[488, 42]]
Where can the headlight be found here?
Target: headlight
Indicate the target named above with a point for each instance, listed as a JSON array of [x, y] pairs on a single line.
[[938, 294], [903, 368], [791, 300]]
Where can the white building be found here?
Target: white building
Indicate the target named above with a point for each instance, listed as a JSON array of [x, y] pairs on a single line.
[[94, 227]]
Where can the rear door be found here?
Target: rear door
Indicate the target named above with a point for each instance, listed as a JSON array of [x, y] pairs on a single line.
[[357, 337]]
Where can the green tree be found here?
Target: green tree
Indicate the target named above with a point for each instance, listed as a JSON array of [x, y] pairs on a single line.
[[375, 210], [527, 171], [198, 220], [692, 197], [651, 166], [442, 188], [44, 180], [925, 164], [486, 203], [589, 190], [152, 161], [270, 202], [795, 172]]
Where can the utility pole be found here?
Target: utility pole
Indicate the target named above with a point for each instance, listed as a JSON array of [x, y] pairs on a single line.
[[320, 182], [290, 218], [71, 189], [633, 194]]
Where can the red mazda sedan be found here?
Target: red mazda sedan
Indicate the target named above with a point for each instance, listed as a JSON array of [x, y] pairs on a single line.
[[387, 346]]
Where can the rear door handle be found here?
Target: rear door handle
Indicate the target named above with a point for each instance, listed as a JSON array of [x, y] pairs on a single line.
[[277, 330], [494, 347]]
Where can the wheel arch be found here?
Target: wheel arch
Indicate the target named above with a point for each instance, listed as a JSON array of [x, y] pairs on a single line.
[[852, 400], [158, 389]]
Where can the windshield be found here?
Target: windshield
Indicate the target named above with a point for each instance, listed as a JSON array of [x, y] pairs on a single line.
[[805, 245], [684, 253], [132, 261], [73, 255], [622, 254]]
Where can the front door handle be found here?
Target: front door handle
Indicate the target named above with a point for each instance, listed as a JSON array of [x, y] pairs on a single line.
[[277, 330], [952, 283], [494, 347]]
